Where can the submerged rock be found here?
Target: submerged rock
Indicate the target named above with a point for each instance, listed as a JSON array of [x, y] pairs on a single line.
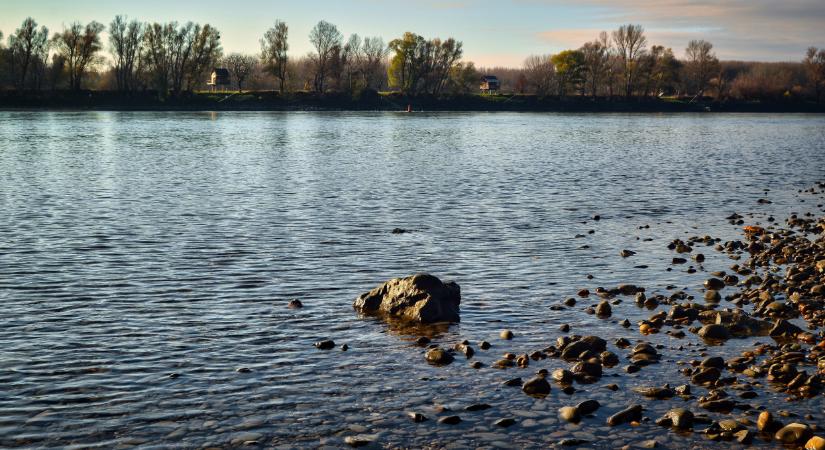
[[420, 298], [630, 414], [537, 386], [439, 356]]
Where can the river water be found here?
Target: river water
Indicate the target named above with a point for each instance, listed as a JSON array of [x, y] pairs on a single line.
[[146, 257]]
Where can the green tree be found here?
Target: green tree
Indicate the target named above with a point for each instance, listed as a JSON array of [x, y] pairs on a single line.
[[569, 67]]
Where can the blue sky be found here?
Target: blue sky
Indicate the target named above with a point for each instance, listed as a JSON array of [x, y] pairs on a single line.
[[494, 32]]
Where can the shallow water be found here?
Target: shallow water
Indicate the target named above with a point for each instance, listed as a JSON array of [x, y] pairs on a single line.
[[137, 245]]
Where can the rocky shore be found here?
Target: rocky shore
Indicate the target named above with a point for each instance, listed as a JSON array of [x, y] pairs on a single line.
[[774, 292]]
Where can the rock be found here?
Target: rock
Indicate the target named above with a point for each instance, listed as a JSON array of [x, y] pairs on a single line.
[[450, 420], [709, 375], [815, 443], [570, 414], [422, 341], [399, 231], [563, 376], [344, 347], [420, 298], [712, 296], [484, 345], [584, 368], [504, 423], [438, 356], [630, 414], [721, 405], [295, 304], [651, 443], [506, 334], [627, 253], [678, 418], [714, 284], [660, 393], [477, 407], [783, 328], [326, 344], [794, 433], [537, 386], [603, 309], [714, 331], [417, 417], [588, 407], [357, 441], [609, 359], [743, 436], [570, 442], [765, 422], [515, 382], [729, 425]]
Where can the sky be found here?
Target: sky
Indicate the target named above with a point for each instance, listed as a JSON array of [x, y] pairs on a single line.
[[494, 32]]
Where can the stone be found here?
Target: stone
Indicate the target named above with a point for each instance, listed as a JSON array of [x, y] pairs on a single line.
[[783, 328], [419, 298], [477, 407], [765, 421], [743, 436], [537, 386], [588, 407], [570, 414], [484, 345], [794, 433], [417, 417], [679, 418], [563, 376], [627, 253], [295, 304], [714, 331], [815, 443], [504, 423], [709, 375], [714, 284], [632, 413], [326, 344], [450, 420], [712, 296], [603, 309], [357, 441], [438, 356], [506, 334]]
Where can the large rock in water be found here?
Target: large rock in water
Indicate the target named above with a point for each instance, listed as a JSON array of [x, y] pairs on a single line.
[[420, 298]]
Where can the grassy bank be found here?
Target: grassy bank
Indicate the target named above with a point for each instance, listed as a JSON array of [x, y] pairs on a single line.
[[372, 101]]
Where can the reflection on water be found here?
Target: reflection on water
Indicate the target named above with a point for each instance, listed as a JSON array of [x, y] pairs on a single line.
[[145, 257]]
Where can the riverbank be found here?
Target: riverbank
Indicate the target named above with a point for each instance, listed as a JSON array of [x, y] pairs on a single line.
[[373, 101]]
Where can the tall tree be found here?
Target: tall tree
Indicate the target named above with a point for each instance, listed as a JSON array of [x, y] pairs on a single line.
[[327, 40], [375, 55], [125, 45], [569, 67], [701, 64], [596, 62], [630, 43], [814, 63], [540, 73], [274, 48], [241, 66], [178, 58], [407, 64], [27, 45], [79, 46]]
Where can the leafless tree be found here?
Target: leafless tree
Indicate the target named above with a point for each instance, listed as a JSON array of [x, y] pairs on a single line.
[[701, 64], [630, 43], [327, 40], [125, 45], [178, 58], [27, 45], [79, 46], [374, 57], [596, 61], [274, 48], [540, 73], [241, 66], [814, 63]]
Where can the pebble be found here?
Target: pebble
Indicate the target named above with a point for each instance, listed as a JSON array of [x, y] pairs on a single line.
[[504, 423], [326, 344], [537, 386], [295, 304], [506, 334], [450, 420]]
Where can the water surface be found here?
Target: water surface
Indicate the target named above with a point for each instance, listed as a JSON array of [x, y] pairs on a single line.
[[138, 245]]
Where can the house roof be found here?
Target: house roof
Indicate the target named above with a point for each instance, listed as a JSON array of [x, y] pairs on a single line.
[[221, 72]]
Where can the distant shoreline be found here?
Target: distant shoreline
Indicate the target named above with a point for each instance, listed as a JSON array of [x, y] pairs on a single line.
[[372, 101]]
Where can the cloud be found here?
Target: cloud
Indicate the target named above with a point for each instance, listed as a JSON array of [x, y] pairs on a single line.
[[739, 29]]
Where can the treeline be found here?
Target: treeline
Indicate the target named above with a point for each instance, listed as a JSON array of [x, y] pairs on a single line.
[[173, 59]]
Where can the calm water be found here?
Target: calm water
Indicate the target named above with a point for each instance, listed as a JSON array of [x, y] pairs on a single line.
[[137, 245]]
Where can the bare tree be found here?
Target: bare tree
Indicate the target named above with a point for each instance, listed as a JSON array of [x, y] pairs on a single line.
[[178, 58], [274, 48], [241, 66], [326, 39], [630, 45], [814, 63], [596, 62], [540, 73], [375, 55], [701, 64], [27, 45], [79, 45], [125, 45]]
